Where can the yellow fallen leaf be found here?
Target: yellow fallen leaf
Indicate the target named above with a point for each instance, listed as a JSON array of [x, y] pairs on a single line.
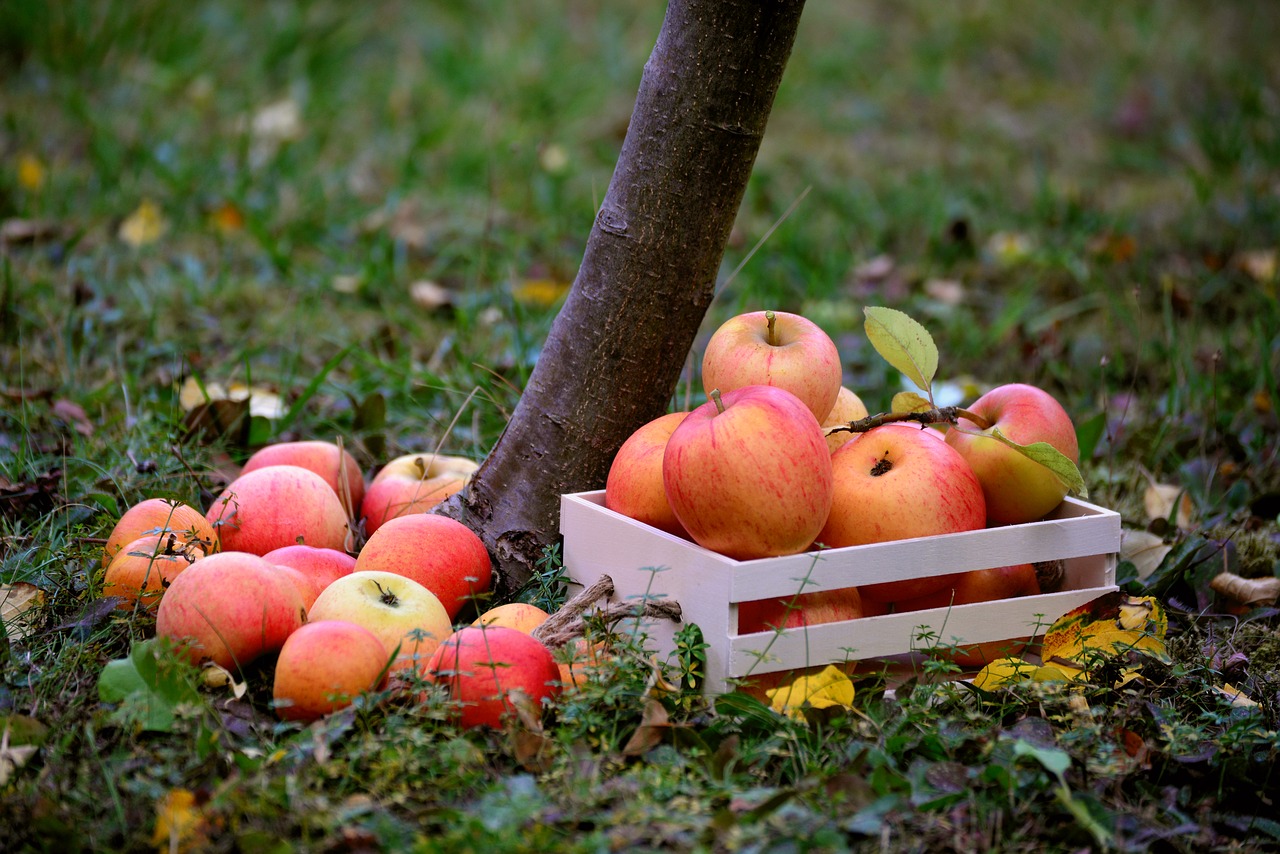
[[1236, 696], [824, 689], [17, 603], [145, 225], [1008, 671], [263, 402], [31, 172], [180, 823], [1110, 625], [543, 293]]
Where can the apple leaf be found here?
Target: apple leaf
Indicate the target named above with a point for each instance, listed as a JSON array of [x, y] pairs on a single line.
[[148, 686], [1051, 458], [909, 401], [903, 343]]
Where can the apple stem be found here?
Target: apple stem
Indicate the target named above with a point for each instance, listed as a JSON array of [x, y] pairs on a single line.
[[771, 335], [715, 396], [939, 415], [386, 596]]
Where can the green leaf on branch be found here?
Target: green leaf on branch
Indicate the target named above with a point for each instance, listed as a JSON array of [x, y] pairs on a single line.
[[903, 343], [1051, 458], [149, 685], [909, 401]]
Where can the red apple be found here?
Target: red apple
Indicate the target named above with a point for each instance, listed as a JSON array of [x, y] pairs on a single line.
[[774, 348], [749, 474], [405, 616], [441, 554], [230, 608], [308, 588], [336, 465], [848, 407], [323, 666], [142, 570], [278, 506], [481, 667], [634, 486], [159, 516], [323, 565], [413, 483], [1017, 489], [897, 482], [807, 609], [979, 585]]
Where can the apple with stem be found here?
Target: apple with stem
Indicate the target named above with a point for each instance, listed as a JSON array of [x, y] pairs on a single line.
[[413, 483], [774, 348], [155, 516], [441, 554], [142, 570], [748, 473], [897, 482], [1017, 489]]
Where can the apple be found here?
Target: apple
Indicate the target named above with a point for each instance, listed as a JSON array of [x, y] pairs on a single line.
[[897, 482], [322, 564], [230, 608], [482, 667], [278, 506], [520, 616], [979, 585], [634, 485], [407, 617], [806, 609], [157, 516], [848, 407], [1017, 489], [774, 348], [439, 553], [336, 465], [323, 666], [748, 473], [140, 572], [581, 661], [308, 587], [413, 483]]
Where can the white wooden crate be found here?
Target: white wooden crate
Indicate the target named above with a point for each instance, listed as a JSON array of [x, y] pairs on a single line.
[[646, 562]]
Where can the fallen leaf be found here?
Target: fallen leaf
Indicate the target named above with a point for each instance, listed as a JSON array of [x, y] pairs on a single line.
[[280, 121], [949, 292], [18, 601], [431, 296], [827, 688], [1235, 696], [1259, 264], [1144, 550], [145, 225], [263, 402], [13, 757], [20, 738], [654, 725], [542, 293], [180, 823], [1008, 671], [1008, 248], [226, 218], [31, 172], [1110, 625], [14, 232], [1253, 592], [74, 414], [1160, 499], [874, 269], [553, 159]]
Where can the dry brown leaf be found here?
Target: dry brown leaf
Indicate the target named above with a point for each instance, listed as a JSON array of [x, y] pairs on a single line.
[[18, 231], [1160, 500], [74, 414], [17, 603], [1144, 550], [654, 724]]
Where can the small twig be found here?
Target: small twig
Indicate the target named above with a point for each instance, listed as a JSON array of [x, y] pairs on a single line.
[[940, 415], [567, 624]]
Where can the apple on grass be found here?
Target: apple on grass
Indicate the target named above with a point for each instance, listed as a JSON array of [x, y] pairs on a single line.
[[748, 473], [230, 608], [439, 553], [407, 617], [278, 506], [486, 670], [897, 482], [413, 483], [520, 616], [159, 516], [324, 565], [778, 349], [140, 572], [324, 666], [336, 465], [634, 485], [1017, 489]]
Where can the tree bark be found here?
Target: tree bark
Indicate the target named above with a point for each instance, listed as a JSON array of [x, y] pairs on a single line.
[[617, 348]]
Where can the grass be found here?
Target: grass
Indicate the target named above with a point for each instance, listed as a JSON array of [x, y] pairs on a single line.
[[1101, 182]]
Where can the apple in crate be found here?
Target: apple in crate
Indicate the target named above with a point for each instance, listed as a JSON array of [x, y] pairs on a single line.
[[748, 473], [634, 485], [230, 608], [805, 609], [897, 482], [1017, 489], [774, 348], [407, 617], [486, 669], [848, 407], [324, 666], [413, 483], [278, 506], [336, 465], [441, 554]]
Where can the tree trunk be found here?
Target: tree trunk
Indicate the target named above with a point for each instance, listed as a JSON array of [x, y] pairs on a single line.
[[617, 348]]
